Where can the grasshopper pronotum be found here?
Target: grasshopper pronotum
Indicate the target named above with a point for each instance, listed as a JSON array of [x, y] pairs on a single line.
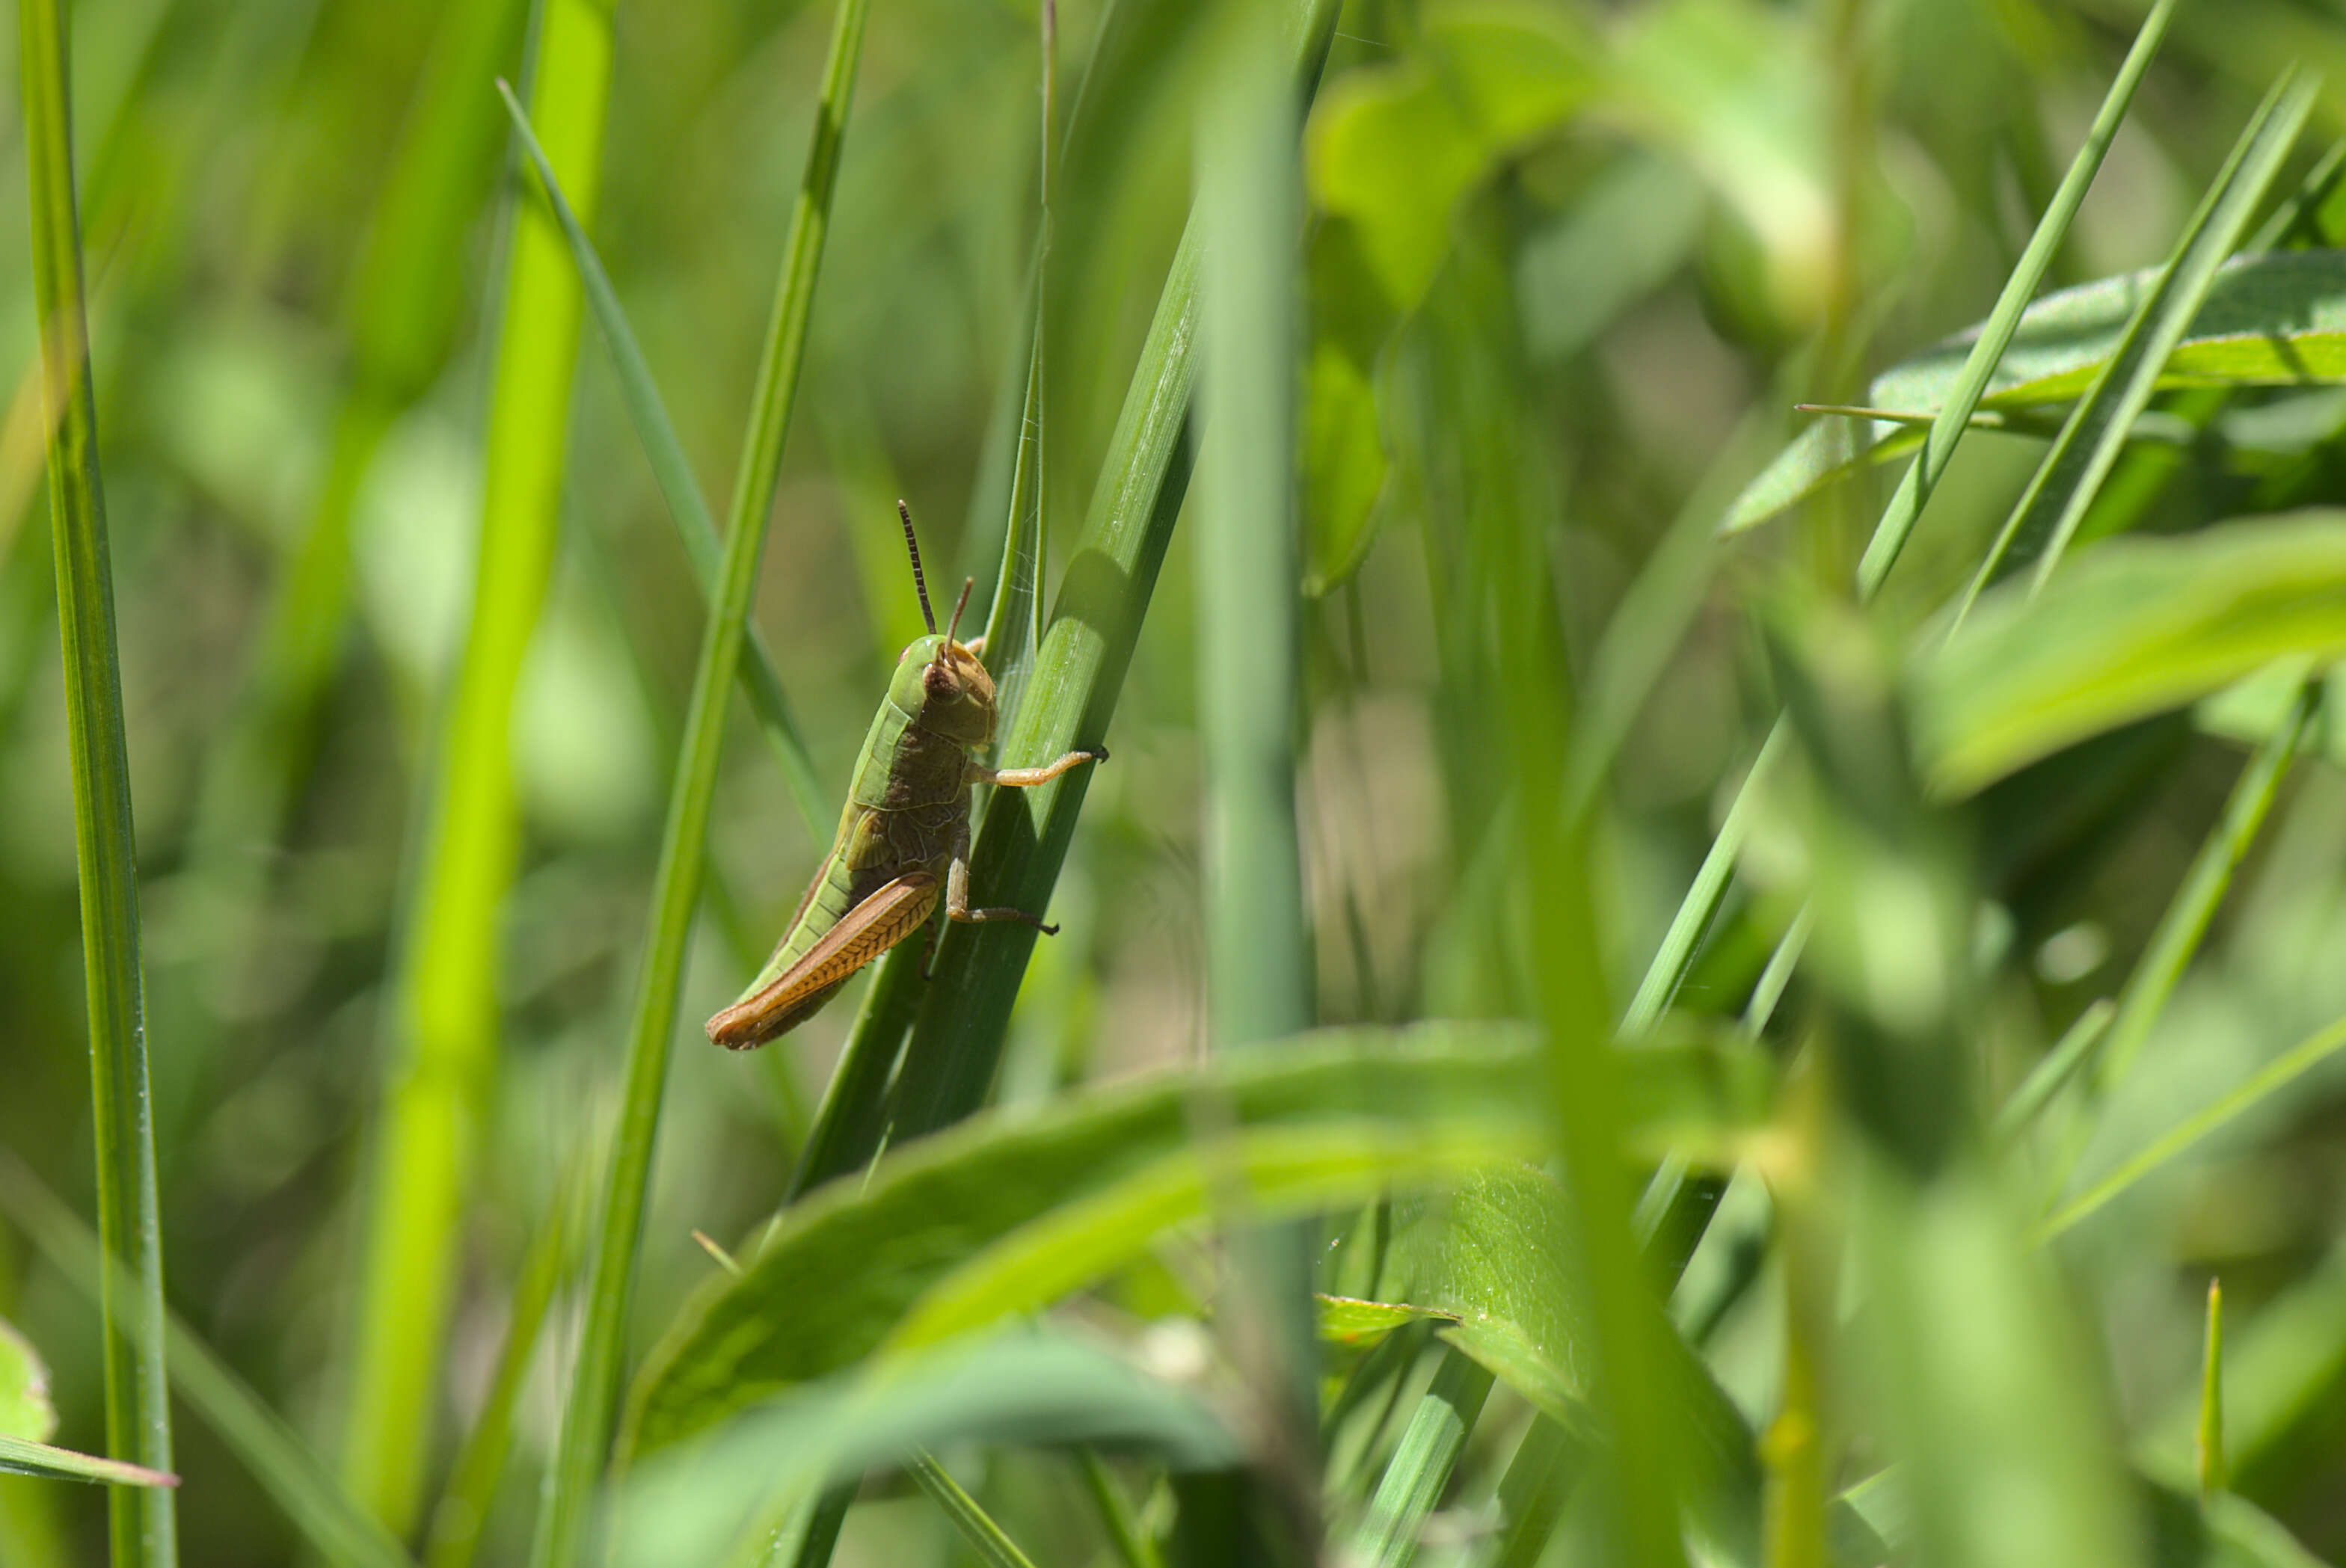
[[903, 837]]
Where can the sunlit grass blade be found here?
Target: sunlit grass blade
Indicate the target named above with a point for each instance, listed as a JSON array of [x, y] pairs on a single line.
[[986, 1540], [584, 1442], [1921, 476], [2208, 1450], [442, 1019], [1422, 1465], [142, 1524], [1666, 969], [2045, 518], [19, 1457], [271, 1450], [2260, 1085], [2056, 1069], [677, 488]]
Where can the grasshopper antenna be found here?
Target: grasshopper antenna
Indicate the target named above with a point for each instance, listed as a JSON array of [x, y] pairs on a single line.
[[954, 625], [919, 584]]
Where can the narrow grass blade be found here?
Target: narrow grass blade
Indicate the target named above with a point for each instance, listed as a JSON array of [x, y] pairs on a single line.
[[2058, 1066], [1134, 1549], [2208, 1450], [2045, 518], [2270, 1079], [1667, 968], [1921, 476], [673, 473], [986, 1540], [19, 1457], [440, 1052], [2185, 920], [463, 1506], [271, 1450], [142, 1524], [1430, 1446], [585, 1439]]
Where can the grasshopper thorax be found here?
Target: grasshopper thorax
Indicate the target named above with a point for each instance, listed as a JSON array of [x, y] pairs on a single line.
[[940, 682]]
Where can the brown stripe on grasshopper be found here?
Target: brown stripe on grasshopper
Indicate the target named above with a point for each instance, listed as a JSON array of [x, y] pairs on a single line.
[[904, 836]]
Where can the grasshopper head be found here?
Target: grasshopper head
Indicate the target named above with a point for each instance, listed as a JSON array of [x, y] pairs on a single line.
[[937, 676]]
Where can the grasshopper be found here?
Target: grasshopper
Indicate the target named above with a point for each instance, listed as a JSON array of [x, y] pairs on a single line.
[[904, 836]]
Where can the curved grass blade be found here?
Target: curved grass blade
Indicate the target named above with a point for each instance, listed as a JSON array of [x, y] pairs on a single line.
[[2045, 518], [673, 473], [2270, 1079], [585, 1439], [440, 1052], [142, 1524]]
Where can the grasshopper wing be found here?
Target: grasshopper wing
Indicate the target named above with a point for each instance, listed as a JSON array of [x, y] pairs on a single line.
[[890, 915]]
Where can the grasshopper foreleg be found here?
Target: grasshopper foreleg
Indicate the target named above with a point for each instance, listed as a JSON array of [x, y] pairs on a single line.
[[1025, 778]]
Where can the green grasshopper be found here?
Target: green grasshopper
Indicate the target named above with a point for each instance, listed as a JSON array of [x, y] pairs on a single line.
[[904, 836]]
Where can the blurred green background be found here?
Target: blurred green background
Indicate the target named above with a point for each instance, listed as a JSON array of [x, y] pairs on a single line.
[[1642, 230]]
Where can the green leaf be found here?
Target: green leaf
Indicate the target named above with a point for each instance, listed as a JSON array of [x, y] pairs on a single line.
[[681, 1507], [949, 1230], [2273, 320], [25, 1412], [1396, 149], [19, 1457], [1349, 1321], [2135, 626]]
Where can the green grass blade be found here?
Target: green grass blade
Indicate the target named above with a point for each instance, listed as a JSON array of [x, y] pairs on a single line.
[[956, 1021], [2045, 518], [463, 1506], [986, 1540], [143, 1524], [441, 1053], [1134, 1548], [2266, 1081], [1667, 969], [2183, 922], [585, 1439], [1430, 1446], [673, 473], [19, 1457], [2058, 1066], [1921, 476], [2210, 1446], [271, 1450]]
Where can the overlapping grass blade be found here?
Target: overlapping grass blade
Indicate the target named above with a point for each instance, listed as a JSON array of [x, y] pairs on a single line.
[[673, 473], [19, 1457], [1671, 959], [443, 1019], [584, 1443], [986, 1540], [2045, 517], [142, 1523]]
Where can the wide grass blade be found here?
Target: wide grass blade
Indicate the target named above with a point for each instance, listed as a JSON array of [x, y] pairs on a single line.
[[2045, 518], [272, 1451], [142, 1524], [2137, 626], [673, 473], [440, 1053], [1420, 1469], [585, 1441]]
